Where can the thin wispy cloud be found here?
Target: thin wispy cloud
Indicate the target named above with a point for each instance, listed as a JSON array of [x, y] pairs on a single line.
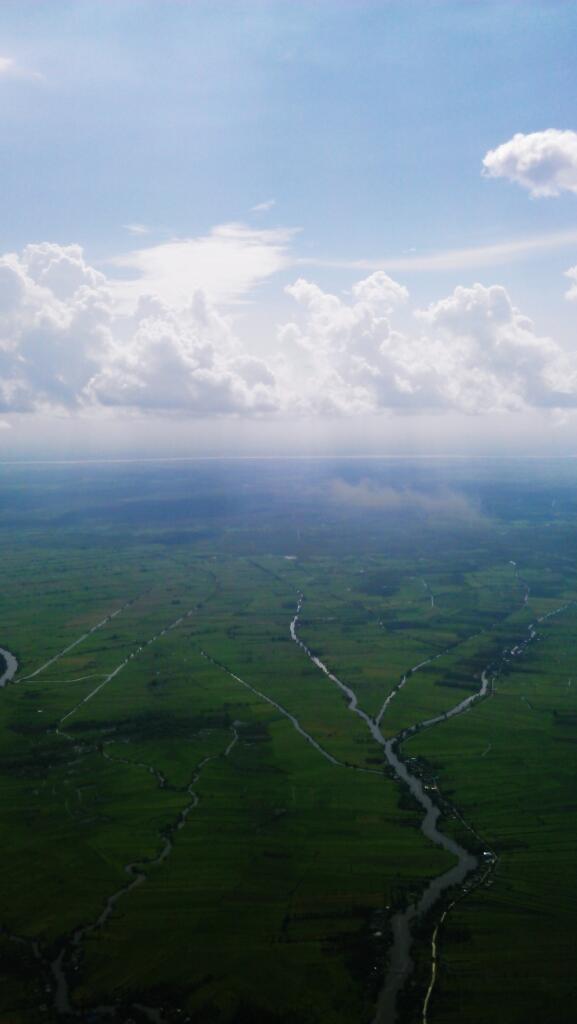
[[10, 68], [572, 275], [264, 207], [137, 229], [455, 259], [225, 264]]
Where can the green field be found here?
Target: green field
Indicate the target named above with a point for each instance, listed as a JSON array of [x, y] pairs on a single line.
[[273, 902]]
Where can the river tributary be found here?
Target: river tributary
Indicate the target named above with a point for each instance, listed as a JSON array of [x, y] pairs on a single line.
[[469, 868]]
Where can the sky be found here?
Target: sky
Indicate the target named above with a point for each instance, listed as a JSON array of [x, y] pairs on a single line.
[[238, 227]]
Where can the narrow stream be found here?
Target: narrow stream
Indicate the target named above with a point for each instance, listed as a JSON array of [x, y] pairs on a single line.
[[401, 964], [60, 966], [69, 954]]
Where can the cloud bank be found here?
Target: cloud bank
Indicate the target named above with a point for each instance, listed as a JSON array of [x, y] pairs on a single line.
[[67, 345], [472, 352], [73, 339]]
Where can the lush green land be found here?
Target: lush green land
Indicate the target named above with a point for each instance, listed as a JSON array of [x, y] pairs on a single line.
[[274, 899]]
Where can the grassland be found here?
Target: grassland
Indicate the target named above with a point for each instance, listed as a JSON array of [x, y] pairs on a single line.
[[274, 901]]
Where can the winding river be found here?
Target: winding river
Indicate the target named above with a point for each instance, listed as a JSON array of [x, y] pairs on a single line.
[[467, 865], [469, 869]]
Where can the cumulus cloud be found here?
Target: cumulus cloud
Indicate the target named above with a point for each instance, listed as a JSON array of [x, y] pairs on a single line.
[[473, 352], [54, 326], [366, 494], [490, 355], [342, 356], [65, 343], [70, 340], [380, 292], [182, 360], [545, 162]]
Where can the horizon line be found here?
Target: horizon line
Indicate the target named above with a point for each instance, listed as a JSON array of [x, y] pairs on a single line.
[[270, 458]]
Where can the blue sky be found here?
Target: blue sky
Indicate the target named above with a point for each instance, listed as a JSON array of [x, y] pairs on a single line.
[[366, 123]]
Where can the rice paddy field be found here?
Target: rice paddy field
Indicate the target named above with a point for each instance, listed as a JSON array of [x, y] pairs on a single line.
[[196, 827]]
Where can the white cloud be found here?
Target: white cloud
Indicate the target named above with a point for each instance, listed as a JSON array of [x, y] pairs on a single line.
[[182, 361], [70, 342], [264, 207], [54, 326], [225, 265], [545, 162], [137, 229], [4, 425], [572, 275], [491, 356], [472, 352], [380, 292], [10, 68], [338, 357], [66, 344]]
